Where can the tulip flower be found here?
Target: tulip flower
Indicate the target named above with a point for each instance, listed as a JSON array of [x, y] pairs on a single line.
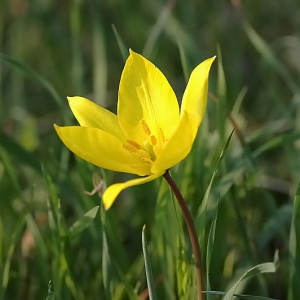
[[149, 134]]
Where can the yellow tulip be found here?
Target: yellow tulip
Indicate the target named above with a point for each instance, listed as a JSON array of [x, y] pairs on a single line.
[[149, 134]]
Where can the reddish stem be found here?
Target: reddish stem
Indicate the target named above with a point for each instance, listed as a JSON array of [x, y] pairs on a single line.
[[192, 233]]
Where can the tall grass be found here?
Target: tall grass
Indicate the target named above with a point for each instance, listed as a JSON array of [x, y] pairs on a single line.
[[241, 188]]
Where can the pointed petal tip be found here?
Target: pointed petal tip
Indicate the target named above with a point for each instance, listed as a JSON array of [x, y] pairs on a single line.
[[72, 98], [131, 51], [112, 192], [55, 127], [209, 61]]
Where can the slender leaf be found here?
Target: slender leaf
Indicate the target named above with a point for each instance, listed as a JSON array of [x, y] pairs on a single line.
[[257, 270], [83, 222], [210, 246], [294, 248], [32, 74], [149, 275], [122, 47]]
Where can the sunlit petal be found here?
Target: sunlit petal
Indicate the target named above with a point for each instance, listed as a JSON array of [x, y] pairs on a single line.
[[114, 190], [145, 94], [89, 114], [179, 145], [101, 149], [195, 96]]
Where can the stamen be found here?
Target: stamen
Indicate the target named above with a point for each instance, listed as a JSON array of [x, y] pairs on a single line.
[[130, 148], [153, 140], [161, 135], [145, 127], [134, 144], [147, 160]]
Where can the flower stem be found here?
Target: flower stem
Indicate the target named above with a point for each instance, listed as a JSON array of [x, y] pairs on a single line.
[[192, 233]]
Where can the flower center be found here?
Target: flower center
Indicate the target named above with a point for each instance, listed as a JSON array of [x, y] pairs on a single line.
[[148, 150]]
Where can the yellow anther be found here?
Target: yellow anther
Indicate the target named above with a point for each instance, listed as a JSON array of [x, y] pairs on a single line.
[[147, 160], [145, 127], [134, 144], [161, 135], [153, 140], [130, 148]]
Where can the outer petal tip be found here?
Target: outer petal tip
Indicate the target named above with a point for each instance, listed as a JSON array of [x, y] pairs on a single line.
[[112, 192], [56, 127]]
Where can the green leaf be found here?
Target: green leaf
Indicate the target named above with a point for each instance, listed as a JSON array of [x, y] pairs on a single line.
[[15, 235], [82, 223], [276, 142], [32, 74], [51, 293], [210, 245], [249, 297], [294, 248], [202, 209], [18, 152], [149, 275], [122, 47], [258, 269], [266, 52]]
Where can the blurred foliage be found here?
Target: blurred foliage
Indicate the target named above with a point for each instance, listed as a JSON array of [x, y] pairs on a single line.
[[52, 49]]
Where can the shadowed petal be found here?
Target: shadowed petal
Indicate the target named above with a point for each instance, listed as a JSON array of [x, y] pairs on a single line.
[[114, 190], [145, 94], [101, 149], [89, 114]]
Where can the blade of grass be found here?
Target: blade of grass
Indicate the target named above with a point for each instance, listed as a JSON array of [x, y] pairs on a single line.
[[107, 269], [32, 74], [183, 60], [158, 27], [121, 44], [269, 267], [266, 52], [249, 297], [148, 268], [222, 111], [77, 69], [99, 55], [202, 209], [10, 171], [13, 242], [278, 141], [210, 246], [82, 223], [167, 241], [294, 249], [51, 293]]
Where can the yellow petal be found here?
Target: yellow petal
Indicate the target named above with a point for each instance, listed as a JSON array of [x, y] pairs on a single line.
[[195, 96], [192, 111], [101, 149], [89, 114], [179, 145], [145, 94], [114, 190]]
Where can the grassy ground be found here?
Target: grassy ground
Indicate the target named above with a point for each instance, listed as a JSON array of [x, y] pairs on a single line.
[[244, 203]]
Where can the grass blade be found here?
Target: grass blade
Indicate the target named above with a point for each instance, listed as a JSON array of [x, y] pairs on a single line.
[[202, 210], [263, 48], [83, 222], [32, 74], [294, 248], [121, 44], [258, 269], [210, 245], [149, 275]]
